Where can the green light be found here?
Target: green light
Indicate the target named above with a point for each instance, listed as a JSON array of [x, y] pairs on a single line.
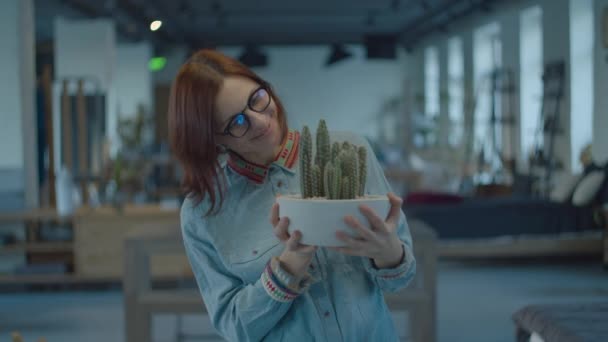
[[157, 63]]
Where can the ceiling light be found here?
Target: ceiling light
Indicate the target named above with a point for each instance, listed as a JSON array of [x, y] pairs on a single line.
[[157, 63], [338, 54], [253, 57], [155, 25]]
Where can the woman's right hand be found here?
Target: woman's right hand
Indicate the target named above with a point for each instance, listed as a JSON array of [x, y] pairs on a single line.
[[295, 257]]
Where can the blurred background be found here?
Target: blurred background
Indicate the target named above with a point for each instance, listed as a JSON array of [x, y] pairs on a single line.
[[488, 117]]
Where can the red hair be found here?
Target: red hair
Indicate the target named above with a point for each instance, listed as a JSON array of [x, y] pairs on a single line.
[[191, 122]]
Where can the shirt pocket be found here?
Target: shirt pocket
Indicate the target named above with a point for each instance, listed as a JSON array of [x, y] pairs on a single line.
[[338, 263], [248, 260]]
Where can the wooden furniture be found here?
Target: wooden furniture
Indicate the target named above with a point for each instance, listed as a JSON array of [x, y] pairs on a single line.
[[33, 248], [419, 299], [99, 237], [141, 301], [563, 322], [46, 82], [95, 255], [493, 190], [528, 246]]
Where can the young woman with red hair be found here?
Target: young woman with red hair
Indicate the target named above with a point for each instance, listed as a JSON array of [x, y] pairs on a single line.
[[229, 131]]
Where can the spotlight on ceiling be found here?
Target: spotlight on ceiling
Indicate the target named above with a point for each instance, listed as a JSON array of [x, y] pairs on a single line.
[[155, 25], [253, 57], [381, 46], [338, 54]]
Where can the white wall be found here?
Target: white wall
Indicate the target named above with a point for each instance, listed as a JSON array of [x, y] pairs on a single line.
[[11, 143], [348, 95], [600, 118], [175, 58], [86, 49], [133, 81], [18, 144]]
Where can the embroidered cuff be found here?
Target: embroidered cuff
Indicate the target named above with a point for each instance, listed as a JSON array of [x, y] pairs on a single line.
[[391, 273], [273, 287], [287, 279]]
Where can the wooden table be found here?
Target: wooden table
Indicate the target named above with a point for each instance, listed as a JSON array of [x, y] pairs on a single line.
[[96, 252], [100, 234]]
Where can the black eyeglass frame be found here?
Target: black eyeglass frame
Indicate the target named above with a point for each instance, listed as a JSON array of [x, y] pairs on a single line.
[[226, 130]]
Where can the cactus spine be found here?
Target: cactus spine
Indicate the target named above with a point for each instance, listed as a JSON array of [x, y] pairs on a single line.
[[339, 170], [316, 181], [305, 163], [323, 151], [362, 169]]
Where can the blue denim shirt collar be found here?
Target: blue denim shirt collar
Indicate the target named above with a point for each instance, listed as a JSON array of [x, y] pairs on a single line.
[[286, 159]]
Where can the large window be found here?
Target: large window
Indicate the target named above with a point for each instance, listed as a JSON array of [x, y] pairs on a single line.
[[455, 90], [431, 82], [487, 52], [581, 86], [531, 59]]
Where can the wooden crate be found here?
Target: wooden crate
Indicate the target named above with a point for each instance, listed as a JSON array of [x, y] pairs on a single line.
[[99, 239]]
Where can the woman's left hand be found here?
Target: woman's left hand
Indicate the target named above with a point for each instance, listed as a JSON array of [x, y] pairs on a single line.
[[379, 242]]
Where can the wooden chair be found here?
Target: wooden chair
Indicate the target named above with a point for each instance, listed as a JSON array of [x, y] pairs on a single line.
[[419, 299], [141, 301]]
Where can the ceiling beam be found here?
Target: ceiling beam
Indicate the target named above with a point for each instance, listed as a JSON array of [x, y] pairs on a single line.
[[89, 11], [441, 25], [285, 39], [407, 31], [182, 34]]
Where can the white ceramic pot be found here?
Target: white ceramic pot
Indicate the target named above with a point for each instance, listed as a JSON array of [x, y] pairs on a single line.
[[319, 219]]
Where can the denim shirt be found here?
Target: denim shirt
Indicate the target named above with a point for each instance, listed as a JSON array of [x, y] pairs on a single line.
[[228, 253]]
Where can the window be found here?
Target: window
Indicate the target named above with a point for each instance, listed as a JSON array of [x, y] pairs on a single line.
[[455, 90], [487, 52], [531, 69], [431, 95], [581, 86], [431, 82]]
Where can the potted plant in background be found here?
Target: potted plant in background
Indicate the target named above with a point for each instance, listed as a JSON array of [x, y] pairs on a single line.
[[332, 186]]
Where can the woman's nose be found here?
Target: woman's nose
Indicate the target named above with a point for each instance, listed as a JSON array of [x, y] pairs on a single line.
[[258, 119]]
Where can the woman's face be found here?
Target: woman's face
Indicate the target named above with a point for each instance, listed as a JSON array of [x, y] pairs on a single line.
[[236, 104]]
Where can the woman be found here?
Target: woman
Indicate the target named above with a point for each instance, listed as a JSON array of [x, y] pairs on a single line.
[[229, 131]]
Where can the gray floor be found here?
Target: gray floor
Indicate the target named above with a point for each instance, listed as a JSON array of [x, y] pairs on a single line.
[[475, 303]]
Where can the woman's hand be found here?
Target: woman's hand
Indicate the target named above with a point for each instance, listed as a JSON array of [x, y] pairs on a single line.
[[379, 242], [295, 257]]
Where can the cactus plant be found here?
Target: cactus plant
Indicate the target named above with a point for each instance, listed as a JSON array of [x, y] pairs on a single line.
[[305, 163], [323, 151], [339, 170]]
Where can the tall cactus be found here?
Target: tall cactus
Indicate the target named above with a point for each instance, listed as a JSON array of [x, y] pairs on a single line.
[[339, 170], [328, 176], [316, 181], [323, 150], [362, 169], [305, 163], [335, 151]]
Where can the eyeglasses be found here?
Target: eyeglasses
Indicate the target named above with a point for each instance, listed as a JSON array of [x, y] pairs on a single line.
[[240, 123]]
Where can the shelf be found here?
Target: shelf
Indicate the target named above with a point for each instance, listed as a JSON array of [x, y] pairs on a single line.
[[44, 279], [43, 214], [70, 278], [37, 247]]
